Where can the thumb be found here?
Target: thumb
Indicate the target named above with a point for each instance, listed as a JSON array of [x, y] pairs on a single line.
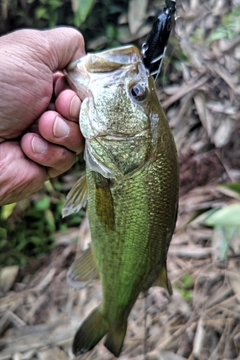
[[65, 44]]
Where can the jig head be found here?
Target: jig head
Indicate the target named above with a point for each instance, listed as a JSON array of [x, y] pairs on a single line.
[[154, 48]]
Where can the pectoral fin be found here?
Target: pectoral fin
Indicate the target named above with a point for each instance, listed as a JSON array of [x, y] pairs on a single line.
[[163, 280], [83, 271], [76, 198], [104, 205], [94, 165]]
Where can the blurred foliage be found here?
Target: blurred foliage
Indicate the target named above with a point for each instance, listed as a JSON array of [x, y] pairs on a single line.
[[104, 23], [185, 287], [228, 216], [27, 228], [233, 189], [226, 224], [225, 221], [81, 9], [229, 27], [40, 14]]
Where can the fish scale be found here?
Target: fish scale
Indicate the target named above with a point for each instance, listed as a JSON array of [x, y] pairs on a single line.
[[132, 189], [139, 227]]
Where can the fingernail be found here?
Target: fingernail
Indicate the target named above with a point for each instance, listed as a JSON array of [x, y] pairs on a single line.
[[75, 107], [60, 128], [39, 146]]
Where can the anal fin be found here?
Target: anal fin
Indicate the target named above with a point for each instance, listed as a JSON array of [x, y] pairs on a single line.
[[163, 281], [83, 270]]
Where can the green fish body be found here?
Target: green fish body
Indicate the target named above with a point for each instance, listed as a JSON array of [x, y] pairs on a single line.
[[131, 189]]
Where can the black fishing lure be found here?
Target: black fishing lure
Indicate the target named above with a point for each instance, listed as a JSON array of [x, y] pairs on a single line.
[[154, 48]]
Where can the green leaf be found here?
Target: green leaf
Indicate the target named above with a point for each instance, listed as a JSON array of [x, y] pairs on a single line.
[[41, 13], [229, 27], [50, 220], [42, 204], [199, 216], [218, 34], [220, 242], [53, 19], [82, 8], [227, 216], [110, 31], [55, 3], [187, 280], [186, 294], [63, 227], [234, 187], [7, 210], [3, 236]]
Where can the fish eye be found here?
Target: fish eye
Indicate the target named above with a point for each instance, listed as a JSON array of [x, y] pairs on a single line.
[[138, 92]]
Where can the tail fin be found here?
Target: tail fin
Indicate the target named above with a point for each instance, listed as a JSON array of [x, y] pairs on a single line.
[[90, 333], [115, 338]]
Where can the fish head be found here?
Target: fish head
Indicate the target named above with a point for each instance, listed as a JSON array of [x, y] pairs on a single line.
[[117, 113]]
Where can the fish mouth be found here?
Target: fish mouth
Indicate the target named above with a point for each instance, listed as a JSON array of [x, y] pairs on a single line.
[[108, 60], [113, 59], [122, 136], [102, 65], [77, 78]]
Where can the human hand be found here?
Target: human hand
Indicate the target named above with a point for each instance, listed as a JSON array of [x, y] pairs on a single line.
[[36, 143]]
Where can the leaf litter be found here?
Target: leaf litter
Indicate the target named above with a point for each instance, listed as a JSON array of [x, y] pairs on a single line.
[[39, 313]]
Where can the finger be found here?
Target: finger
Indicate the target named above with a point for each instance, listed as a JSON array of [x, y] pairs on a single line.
[[68, 104], [34, 127], [51, 106], [59, 131], [65, 45], [21, 176], [57, 75], [56, 158], [60, 84]]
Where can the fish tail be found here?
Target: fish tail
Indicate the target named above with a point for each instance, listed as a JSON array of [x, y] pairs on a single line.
[[90, 333], [115, 338]]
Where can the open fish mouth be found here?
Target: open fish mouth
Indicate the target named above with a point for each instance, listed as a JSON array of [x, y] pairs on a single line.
[[122, 136], [109, 67], [108, 60]]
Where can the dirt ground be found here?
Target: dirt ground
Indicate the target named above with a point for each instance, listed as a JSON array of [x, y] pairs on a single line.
[[39, 313]]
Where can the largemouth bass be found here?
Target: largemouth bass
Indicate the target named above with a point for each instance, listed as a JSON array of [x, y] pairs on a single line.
[[131, 189]]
